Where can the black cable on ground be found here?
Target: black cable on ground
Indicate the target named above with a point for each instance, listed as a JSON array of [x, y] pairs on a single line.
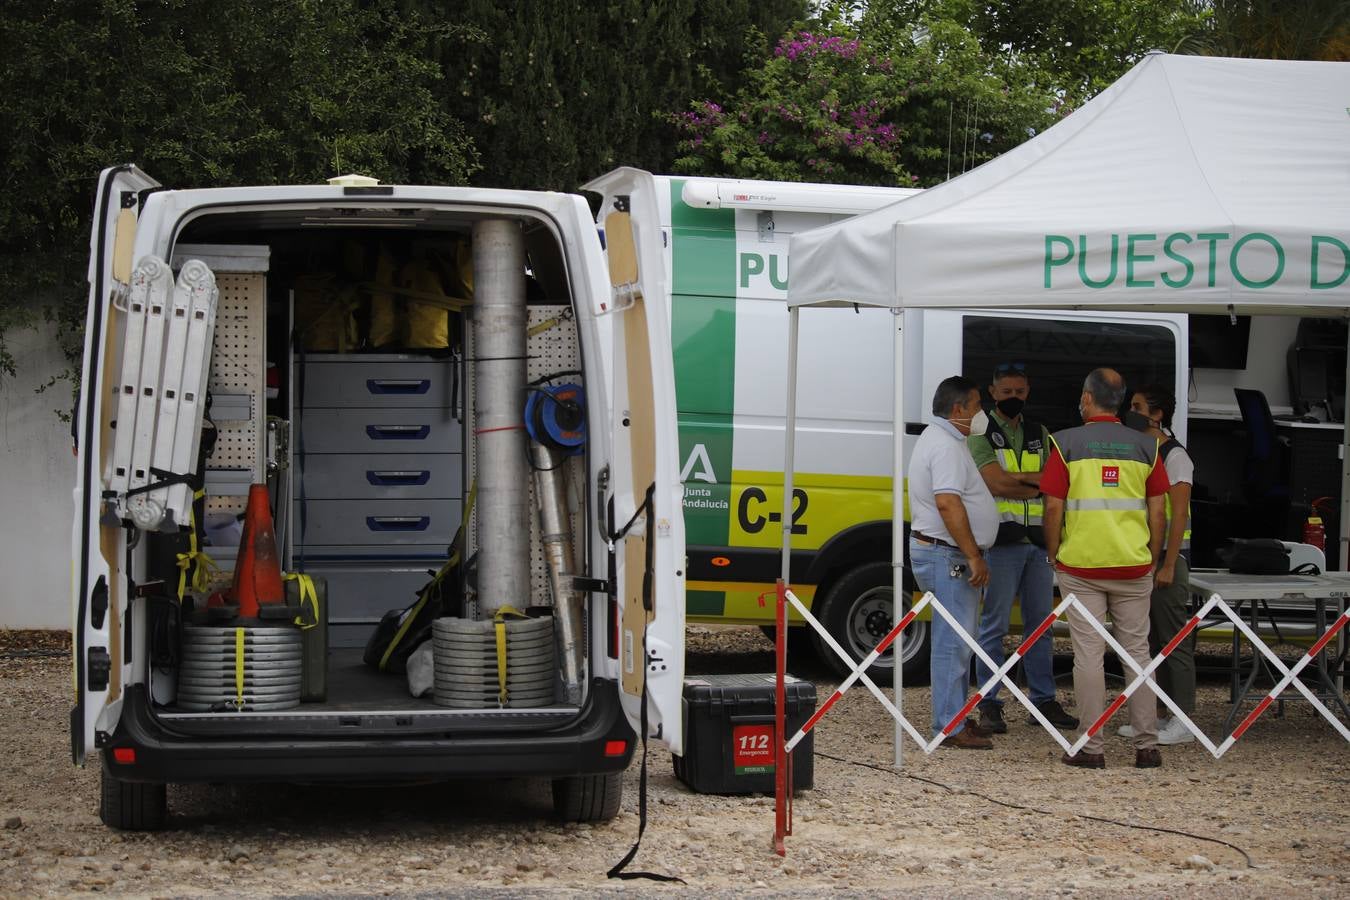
[[1044, 812]]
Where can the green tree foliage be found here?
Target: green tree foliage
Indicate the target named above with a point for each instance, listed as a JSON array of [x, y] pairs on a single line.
[[559, 91], [1084, 44], [198, 94], [1274, 29], [868, 100]]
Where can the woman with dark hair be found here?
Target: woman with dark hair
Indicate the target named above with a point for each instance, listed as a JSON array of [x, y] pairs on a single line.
[[1170, 607]]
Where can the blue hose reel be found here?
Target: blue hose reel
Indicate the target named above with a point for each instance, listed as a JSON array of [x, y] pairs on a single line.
[[555, 416]]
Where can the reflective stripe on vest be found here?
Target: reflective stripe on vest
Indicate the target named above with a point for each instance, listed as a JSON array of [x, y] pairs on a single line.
[[1023, 512], [1106, 511]]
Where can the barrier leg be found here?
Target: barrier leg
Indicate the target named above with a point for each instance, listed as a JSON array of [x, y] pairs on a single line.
[[782, 789]]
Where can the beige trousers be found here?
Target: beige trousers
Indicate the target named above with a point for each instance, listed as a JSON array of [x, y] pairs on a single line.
[[1127, 600]]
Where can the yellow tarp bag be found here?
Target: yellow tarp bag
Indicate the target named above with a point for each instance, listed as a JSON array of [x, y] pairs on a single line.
[[426, 325], [325, 314]]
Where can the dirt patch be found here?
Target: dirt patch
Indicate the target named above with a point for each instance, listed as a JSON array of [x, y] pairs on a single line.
[[937, 828]]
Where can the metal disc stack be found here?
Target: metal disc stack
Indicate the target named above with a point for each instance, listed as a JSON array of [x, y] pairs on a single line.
[[464, 652], [210, 677]]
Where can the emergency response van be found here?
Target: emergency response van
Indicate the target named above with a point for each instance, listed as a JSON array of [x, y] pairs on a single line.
[[443, 399], [722, 245]]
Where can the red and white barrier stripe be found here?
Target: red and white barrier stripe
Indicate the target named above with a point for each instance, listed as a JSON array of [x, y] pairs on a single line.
[[1142, 674]]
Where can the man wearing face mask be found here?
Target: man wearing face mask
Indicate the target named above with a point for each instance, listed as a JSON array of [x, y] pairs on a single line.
[[953, 520], [1010, 454], [1104, 485]]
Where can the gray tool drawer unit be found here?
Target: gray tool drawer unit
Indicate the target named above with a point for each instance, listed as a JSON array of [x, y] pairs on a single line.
[[378, 487]]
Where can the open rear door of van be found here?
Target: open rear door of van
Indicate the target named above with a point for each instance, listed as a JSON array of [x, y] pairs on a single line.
[[647, 494], [99, 583]]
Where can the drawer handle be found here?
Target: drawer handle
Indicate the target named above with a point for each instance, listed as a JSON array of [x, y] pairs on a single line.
[[398, 523], [398, 386], [397, 432], [396, 478]]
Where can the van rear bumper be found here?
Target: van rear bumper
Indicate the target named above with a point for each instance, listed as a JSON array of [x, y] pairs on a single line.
[[164, 756]]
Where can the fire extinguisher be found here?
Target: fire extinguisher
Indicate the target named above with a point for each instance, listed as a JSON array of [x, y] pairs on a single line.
[[1314, 532]]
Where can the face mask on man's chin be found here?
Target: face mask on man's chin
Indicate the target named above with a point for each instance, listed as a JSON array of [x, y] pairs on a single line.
[[979, 423]]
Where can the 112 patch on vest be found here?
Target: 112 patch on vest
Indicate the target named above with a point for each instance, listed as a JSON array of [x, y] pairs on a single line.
[[1110, 476]]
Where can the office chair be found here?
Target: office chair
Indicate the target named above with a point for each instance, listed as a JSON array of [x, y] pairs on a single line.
[[1309, 381], [1265, 476]]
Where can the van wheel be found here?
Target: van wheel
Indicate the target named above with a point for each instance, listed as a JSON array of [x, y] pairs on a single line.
[[856, 610], [132, 805], [588, 798], [799, 641]]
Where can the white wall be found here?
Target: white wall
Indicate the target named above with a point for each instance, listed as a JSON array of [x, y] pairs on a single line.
[[36, 478]]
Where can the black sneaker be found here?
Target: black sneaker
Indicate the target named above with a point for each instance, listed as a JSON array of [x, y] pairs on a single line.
[[1055, 714], [991, 719]]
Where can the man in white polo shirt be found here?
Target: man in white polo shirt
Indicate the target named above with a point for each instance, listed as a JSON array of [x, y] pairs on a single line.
[[954, 518]]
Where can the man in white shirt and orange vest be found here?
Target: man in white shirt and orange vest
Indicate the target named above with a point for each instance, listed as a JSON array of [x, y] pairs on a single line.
[[1104, 486]]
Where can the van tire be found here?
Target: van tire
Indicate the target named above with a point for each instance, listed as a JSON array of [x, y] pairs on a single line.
[[588, 798], [132, 805], [856, 610], [799, 642]]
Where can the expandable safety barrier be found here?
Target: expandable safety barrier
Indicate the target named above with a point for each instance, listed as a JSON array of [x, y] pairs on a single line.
[[1142, 675]]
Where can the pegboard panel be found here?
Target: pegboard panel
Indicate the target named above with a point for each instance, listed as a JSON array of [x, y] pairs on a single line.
[[551, 347], [238, 366]]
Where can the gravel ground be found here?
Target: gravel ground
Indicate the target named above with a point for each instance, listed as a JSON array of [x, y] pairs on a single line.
[[1007, 822]]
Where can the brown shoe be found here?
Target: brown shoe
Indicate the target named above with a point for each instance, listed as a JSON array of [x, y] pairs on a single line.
[[1147, 758], [978, 729], [967, 739], [1085, 760]]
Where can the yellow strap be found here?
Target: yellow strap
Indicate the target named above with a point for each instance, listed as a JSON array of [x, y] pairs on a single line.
[[307, 594], [206, 569], [499, 623], [239, 668]]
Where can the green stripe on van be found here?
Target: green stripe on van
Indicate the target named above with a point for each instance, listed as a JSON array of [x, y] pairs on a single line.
[[703, 330]]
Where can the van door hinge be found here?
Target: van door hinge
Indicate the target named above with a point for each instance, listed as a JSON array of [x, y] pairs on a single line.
[[98, 668], [102, 739], [765, 222], [623, 203]]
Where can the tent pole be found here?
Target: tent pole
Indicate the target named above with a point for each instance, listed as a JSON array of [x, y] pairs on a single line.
[[1343, 539], [789, 442], [898, 519]]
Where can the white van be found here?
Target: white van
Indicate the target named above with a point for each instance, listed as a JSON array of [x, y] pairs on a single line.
[[370, 428], [723, 248]]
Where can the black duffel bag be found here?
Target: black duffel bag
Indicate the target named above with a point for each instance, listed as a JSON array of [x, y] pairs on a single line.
[[1257, 556]]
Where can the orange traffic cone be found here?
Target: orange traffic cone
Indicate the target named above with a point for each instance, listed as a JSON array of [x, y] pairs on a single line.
[[257, 571]]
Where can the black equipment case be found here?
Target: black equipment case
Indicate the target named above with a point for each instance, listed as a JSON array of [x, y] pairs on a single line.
[[728, 733]]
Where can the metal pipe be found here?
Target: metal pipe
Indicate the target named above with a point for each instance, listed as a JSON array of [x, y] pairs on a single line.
[[555, 528], [499, 321]]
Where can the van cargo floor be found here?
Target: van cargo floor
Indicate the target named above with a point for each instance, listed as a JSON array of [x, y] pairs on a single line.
[[362, 699]]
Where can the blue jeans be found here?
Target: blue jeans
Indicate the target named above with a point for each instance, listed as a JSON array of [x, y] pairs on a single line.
[[1022, 570], [949, 662]]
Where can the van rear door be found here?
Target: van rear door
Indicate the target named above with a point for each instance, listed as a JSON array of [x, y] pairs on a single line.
[[647, 494], [98, 581]]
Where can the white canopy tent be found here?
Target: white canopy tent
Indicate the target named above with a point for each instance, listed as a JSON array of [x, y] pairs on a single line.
[[1192, 184]]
